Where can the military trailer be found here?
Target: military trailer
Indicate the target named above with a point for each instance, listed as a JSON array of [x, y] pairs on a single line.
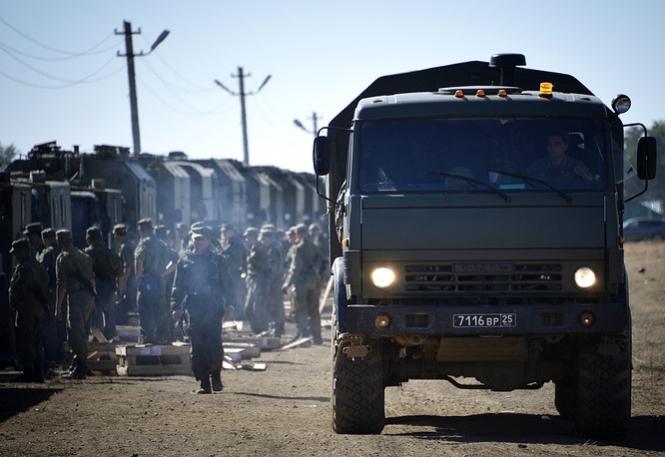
[[478, 211]]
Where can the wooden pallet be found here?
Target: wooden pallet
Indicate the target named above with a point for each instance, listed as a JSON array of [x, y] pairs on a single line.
[[157, 360], [246, 350], [101, 356], [129, 333], [265, 343]]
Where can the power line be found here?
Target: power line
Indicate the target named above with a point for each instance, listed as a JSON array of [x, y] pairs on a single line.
[[56, 59]]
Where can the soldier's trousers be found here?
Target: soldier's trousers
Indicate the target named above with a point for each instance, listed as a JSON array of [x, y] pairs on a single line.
[[256, 305], [105, 319], [78, 325], [306, 312], [207, 349], [155, 314], [29, 333], [276, 305]]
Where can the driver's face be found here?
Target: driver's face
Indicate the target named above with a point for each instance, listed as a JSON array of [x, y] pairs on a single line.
[[556, 148]]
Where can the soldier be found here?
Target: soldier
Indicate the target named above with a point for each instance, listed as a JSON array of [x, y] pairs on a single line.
[[258, 264], [55, 333], [127, 286], [204, 288], [320, 240], [75, 279], [34, 234], [150, 261], [235, 252], [162, 232], [304, 278], [183, 237], [28, 297], [275, 278], [108, 269]]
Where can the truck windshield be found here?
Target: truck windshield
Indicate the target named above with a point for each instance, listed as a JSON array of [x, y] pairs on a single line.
[[505, 154]]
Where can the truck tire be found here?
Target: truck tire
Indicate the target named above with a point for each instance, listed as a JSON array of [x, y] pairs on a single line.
[[565, 399], [604, 389]]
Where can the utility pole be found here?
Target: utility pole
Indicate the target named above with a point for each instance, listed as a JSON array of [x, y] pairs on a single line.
[[133, 102], [314, 120], [243, 113]]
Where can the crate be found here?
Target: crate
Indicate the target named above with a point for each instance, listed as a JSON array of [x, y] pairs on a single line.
[[129, 333], [101, 356], [154, 360]]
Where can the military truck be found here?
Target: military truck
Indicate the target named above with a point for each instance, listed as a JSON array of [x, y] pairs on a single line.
[[478, 210]]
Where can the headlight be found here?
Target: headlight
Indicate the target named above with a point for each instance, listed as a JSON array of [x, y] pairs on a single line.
[[585, 278], [383, 277]]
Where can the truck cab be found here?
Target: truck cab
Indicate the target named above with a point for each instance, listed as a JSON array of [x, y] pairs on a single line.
[[480, 236]]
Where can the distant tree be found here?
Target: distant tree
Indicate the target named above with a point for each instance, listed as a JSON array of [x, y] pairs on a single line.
[[657, 186], [7, 154]]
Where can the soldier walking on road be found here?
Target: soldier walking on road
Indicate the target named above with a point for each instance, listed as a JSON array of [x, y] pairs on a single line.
[[108, 269], [304, 277], [127, 286], [204, 288], [33, 232], [150, 260], [28, 291], [258, 263], [75, 280]]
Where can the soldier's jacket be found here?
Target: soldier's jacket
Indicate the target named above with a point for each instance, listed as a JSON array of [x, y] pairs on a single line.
[[203, 284], [28, 286], [154, 253], [69, 261], [258, 261], [48, 258], [305, 261], [235, 252], [107, 266], [126, 253], [276, 256]]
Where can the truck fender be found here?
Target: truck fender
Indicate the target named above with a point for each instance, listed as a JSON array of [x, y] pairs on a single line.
[[341, 300]]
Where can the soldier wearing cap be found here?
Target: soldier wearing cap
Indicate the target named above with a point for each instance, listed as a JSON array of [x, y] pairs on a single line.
[[183, 237], [304, 278], [28, 291], [34, 234], [204, 288], [235, 252], [108, 269], [275, 276], [258, 264], [150, 260], [320, 240], [74, 277], [55, 333], [127, 287]]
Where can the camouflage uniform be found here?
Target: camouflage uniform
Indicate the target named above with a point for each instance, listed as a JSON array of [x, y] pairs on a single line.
[[107, 266], [275, 278], [303, 276], [128, 300], [235, 252], [153, 309], [79, 300], [55, 331], [28, 289], [256, 303], [203, 286]]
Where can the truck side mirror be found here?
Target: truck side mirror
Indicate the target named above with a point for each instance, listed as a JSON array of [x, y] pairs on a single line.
[[646, 158], [321, 155]]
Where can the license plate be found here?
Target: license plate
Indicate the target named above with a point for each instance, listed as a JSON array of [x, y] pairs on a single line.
[[485, 320]]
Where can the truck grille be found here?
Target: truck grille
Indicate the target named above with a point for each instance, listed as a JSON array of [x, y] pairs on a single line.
[[482, 277]]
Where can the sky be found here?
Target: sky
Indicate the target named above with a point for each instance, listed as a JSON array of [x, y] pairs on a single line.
[[61, 78]]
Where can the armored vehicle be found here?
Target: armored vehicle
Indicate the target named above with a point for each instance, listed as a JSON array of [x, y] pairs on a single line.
[[478, 210]]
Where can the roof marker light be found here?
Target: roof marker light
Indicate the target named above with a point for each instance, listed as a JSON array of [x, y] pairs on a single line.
[[480, 93], [502, 93], [546, 89], [459, 93]]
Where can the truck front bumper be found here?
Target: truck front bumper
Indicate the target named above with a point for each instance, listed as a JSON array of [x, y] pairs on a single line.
[[534, 319]]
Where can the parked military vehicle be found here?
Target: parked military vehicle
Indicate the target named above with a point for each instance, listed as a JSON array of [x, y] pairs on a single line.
[[479, 209]]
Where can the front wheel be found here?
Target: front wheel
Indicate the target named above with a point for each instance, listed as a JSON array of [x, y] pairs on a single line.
[[358, 391], [604, 388]]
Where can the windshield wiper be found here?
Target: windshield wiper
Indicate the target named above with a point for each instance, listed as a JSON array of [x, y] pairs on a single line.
[[472, 181], [531, 180]]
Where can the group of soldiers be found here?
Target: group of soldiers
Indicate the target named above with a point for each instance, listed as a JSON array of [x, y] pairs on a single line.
[[58, 291]]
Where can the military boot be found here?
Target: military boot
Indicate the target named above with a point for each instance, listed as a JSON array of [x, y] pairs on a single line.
[[205, 386], [39, 372], [217, 385]]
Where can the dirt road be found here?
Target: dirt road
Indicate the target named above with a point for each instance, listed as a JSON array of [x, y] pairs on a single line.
[[285, 410]]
